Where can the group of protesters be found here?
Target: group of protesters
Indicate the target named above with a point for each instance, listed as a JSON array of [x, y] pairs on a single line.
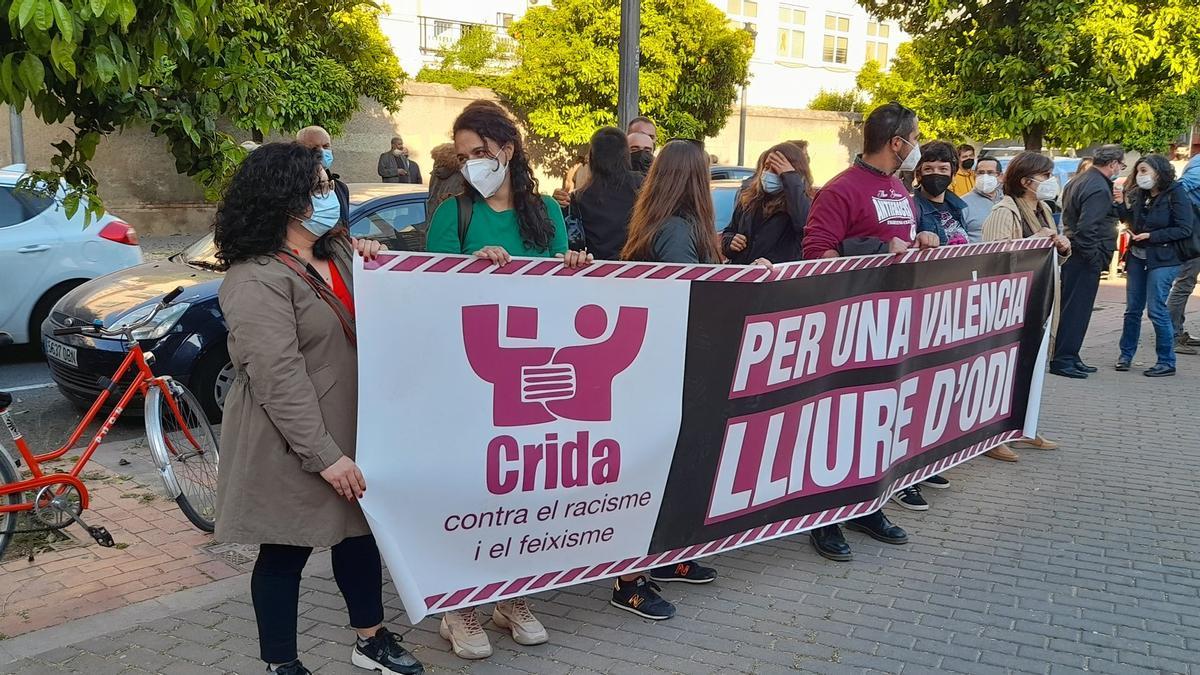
[[287, 298]]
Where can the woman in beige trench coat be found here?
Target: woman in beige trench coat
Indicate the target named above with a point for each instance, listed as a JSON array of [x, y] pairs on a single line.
[[1023, 214], [287, 479]]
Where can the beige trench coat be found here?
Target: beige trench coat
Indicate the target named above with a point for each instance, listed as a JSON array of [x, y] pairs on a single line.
[[291, 412]]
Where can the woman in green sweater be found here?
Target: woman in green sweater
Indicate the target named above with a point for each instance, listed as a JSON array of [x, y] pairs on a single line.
[[508, 217]]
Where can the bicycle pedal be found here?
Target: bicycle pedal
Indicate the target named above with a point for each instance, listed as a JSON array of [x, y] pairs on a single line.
[[101, 536]]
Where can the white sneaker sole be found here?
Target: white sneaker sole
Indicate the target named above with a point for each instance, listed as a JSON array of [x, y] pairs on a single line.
[[365, 663], [910, 507], [634, 611], [461, 652], [518, 636], [935, 486], [677, 580]]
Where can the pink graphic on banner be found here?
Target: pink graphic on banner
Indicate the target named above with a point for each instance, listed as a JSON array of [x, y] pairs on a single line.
[[538, 384]]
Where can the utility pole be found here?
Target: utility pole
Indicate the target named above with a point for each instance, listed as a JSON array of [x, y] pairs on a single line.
[[16, 135], [627, 83], [742, 117]]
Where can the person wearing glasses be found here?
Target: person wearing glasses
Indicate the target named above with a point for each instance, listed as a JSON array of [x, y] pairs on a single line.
[[508, 217], [865, 210], [983, 197], [1090, 223], [287, 480], [1159, 214]]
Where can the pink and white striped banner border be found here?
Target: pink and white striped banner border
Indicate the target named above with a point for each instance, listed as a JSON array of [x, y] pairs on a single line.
[[440, 263], [499, 590]]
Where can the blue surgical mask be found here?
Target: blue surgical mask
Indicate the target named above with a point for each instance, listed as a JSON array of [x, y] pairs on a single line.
[[326, 157], [771, 183], [326, 213]]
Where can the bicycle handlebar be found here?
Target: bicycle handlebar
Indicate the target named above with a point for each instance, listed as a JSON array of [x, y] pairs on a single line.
[[125, 330], [70, 330], [170, 297]]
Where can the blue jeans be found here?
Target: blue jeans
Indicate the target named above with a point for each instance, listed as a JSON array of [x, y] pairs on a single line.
[[1147, 289]]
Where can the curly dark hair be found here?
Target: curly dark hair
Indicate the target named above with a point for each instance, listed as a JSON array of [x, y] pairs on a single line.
[[491, 122], [1163, 171], [272, 185]]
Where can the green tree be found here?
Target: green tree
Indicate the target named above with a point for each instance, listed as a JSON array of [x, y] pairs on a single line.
[[180, 66], [837, 101], [1067, 72], [474, 60], [565, 86]]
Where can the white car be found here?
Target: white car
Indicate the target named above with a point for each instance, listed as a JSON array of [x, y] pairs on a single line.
[[44, 254]]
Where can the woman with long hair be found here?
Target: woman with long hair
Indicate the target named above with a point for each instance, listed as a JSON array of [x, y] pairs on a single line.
[[1159, 214], [287, 480], [507, 216], [605, 203], [772, 208], [1023, 214], [673, 218]]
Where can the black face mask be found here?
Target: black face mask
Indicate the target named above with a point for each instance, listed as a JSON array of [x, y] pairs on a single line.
[[968, 163], [641, 160], [934, 184]]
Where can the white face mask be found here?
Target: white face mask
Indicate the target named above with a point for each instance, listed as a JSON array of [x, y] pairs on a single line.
[[986, 184], [485, 175], [910, 162], [1146, 180], [1047, 189]]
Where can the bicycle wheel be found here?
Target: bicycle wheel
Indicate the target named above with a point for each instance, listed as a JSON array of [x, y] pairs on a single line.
[[185, 450], [8, 521]]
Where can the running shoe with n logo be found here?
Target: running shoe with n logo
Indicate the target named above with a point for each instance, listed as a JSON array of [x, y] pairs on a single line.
[[687, 572], [641, 597]]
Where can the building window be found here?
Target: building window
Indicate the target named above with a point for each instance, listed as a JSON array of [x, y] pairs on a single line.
[[791, 32], [877, 41], [837, 39], [504, 20], [747, 8]]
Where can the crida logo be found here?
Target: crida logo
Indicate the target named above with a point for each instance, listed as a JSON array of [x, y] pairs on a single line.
[[536, 384]]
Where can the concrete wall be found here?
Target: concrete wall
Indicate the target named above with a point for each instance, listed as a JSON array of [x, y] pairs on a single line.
[[138, 180]]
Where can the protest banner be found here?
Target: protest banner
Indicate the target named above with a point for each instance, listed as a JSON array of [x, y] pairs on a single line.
[[528, 427]]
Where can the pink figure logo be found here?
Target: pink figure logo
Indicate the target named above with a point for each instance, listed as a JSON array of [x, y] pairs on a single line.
[[535, 385]]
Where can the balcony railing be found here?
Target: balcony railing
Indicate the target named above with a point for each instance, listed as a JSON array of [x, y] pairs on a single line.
[[438, 34]]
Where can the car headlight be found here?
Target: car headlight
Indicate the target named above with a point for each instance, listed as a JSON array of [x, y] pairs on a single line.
[[162, 324]]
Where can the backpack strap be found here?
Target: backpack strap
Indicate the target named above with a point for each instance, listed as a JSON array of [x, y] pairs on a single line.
[[466, 204]]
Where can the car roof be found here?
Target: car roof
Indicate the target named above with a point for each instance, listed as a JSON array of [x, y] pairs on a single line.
[[728, 183], [12, 173], [365, 192]]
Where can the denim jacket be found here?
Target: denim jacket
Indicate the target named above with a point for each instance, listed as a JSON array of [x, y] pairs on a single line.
[[928, 219]]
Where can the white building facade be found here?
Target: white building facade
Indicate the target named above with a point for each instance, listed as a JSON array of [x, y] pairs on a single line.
[[801, 46]]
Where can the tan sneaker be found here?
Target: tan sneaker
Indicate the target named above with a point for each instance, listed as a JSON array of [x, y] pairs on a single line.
[[515, 616], [1003, 453], [461, 627], [1036, 443]]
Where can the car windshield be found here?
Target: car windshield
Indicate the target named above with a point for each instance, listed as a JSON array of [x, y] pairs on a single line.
[[202, 253]]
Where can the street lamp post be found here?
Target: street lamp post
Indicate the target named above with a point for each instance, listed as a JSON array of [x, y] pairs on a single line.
[[742, 121], [627, 82], [16, 135]]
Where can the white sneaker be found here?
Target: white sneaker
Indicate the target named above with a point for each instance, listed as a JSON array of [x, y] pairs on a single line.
[[461, 627], [515, 616]]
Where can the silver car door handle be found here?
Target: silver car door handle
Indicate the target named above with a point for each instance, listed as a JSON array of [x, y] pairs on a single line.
[[33, 248]]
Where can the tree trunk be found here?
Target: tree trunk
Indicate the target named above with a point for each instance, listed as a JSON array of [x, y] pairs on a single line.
[[256, 135], [1034, 136]]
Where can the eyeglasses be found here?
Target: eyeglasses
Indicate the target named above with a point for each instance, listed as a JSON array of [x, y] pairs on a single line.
[[322, 188]]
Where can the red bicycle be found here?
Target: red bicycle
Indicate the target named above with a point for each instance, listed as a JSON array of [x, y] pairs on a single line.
[[181, 442]]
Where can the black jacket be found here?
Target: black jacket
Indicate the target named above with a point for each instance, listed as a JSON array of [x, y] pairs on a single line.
[[1090, 218], [393, 169], [776, 238], [605, 214], [1168, 219]]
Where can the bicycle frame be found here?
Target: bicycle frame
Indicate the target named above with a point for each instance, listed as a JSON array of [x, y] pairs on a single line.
[[143, 379]]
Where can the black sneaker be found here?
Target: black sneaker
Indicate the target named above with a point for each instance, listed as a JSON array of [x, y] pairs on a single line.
[[687, 572], [911, 499], [641, 597], [936, 482], [293, 668], [384, 653]]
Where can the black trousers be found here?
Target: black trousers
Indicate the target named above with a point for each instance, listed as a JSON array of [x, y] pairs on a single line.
[[275, 590], [1080, 281]]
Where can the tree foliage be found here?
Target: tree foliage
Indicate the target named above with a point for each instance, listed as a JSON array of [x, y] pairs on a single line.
[[565, 86], [837, 101], [476, 59], [180, 66], [1068, 72]]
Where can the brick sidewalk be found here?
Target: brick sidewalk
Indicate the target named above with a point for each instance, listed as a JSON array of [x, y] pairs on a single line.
[[1084, 558]]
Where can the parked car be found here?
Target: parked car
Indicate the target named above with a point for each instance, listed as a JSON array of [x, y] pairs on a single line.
[[188, 339], [44, 254], [724, 194], [730, 172]]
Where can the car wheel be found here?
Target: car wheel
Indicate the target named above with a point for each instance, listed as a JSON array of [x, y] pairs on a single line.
[[41, 311], [211, 381]]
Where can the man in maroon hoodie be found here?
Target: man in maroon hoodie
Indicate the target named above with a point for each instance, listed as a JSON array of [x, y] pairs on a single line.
[[864, 210]]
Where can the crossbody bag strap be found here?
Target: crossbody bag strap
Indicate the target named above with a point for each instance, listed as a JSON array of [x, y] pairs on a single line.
[[322, 290]]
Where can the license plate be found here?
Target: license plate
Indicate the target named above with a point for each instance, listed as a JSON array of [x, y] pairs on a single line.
[[60, 352]]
